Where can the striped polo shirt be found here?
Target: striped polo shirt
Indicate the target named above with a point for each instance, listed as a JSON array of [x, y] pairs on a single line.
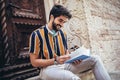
[[47, 46]]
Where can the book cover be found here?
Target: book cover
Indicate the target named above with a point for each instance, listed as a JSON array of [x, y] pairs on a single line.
[[81, 57]]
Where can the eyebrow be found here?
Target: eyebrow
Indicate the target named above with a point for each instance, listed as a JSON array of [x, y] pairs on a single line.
[[62, 20]]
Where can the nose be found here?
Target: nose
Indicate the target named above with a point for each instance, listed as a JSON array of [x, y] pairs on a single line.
[[61, 24]]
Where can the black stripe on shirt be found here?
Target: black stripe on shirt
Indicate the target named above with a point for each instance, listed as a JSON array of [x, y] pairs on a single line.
[[63, 40], [57, 44], [41, 44], [32, 43], [48, 43]]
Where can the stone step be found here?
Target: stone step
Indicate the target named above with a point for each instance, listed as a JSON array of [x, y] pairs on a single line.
[[87, 76], [115, 75]]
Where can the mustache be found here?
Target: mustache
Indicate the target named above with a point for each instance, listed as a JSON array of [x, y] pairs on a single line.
[[58, 26]]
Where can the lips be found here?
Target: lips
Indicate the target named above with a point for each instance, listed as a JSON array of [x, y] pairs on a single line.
[[58, 27]]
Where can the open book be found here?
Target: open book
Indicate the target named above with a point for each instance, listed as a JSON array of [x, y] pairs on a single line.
[[79, 54]]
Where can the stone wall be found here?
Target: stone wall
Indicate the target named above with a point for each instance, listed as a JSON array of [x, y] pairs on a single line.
[[96, 25], [103, 22], [76, 27]]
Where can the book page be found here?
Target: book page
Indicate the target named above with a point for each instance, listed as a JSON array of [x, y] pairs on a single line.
[[80, 53]]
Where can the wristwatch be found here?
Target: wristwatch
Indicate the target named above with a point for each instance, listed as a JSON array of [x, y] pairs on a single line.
[[55, 61]]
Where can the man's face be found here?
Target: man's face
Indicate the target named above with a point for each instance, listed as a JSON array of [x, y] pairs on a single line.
[[58, 22]]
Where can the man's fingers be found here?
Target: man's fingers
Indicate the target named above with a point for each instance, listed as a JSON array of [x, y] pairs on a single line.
[[77, 62]]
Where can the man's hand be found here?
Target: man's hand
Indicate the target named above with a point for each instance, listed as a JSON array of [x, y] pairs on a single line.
[[62, 59], [77, 62]]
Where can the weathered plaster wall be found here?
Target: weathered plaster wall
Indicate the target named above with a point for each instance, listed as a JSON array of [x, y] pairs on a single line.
[[76, 27], [96, 25], [103, 22]]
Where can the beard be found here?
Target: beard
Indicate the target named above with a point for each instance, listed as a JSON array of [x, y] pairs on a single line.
[[56, 27]]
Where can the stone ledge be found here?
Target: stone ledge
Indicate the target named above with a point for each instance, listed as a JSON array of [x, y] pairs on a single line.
[[115, 75], [87, 76], [84, 76]]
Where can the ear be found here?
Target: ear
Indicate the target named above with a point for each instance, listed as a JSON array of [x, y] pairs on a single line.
[[51, 18]]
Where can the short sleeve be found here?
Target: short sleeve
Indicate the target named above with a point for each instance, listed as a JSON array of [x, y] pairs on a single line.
[[34, 43]]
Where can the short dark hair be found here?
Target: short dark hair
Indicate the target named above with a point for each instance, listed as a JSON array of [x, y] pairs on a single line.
[[58, 10]]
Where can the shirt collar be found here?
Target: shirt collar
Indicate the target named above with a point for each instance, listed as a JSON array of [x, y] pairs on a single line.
[[49, 31]]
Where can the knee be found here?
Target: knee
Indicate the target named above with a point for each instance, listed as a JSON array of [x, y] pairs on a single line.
[[96, 58]]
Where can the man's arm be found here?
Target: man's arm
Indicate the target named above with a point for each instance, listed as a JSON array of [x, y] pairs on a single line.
[[36, 62]]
